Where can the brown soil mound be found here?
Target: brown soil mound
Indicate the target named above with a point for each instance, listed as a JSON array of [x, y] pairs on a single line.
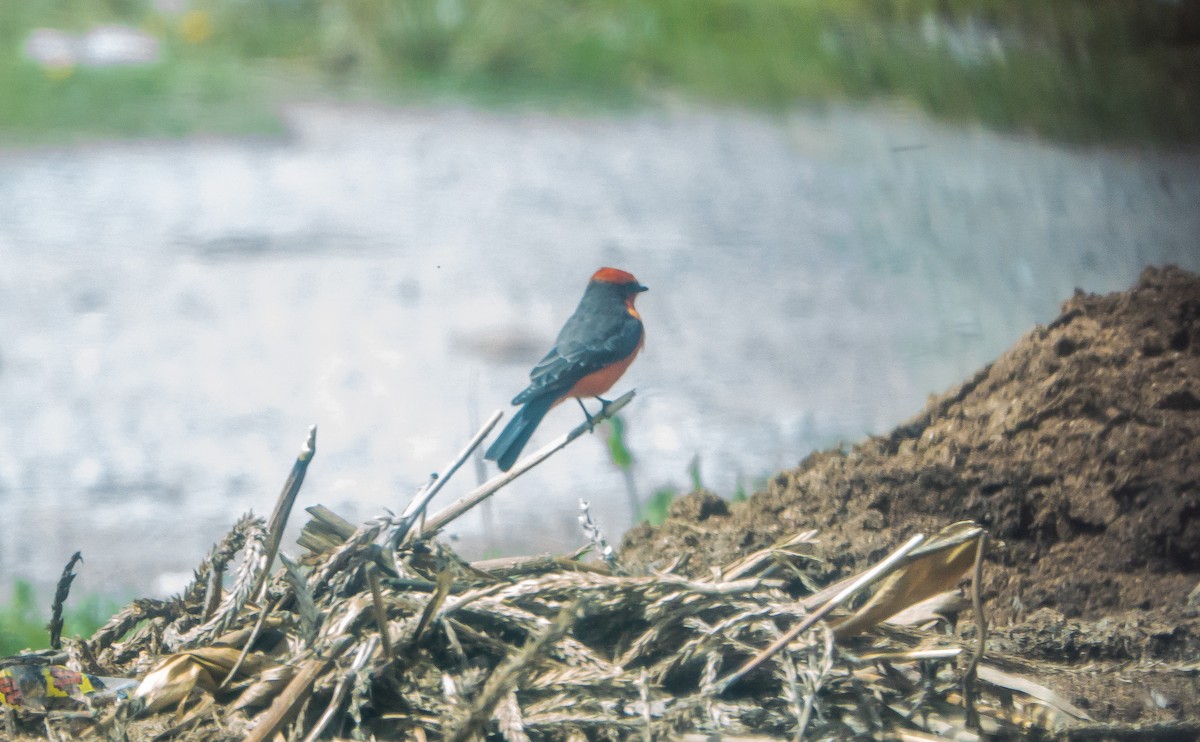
[[1079, 449]]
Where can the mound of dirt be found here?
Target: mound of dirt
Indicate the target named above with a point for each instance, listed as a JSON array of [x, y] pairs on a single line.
[[1079, 449]]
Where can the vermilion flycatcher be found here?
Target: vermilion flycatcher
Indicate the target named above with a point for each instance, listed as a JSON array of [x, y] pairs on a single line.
[[592, 350]]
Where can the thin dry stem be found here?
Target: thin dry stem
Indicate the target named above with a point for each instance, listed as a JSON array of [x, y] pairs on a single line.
[[862, 581], [509, 675], [464, 504], [416, 508], [968, 681], [283, 507]]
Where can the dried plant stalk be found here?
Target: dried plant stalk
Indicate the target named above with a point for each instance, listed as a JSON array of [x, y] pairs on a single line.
[[509, 675], [60, 597], [254, 562], [464, 504], [283, 509], [218, 558]]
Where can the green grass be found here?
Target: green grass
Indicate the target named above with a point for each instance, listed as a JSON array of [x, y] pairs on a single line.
[[1070, 69], [656, 509], [175, 99], [24, 617], [618, 450]]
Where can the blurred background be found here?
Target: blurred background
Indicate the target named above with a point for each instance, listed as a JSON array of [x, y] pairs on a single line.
[[223, 221]]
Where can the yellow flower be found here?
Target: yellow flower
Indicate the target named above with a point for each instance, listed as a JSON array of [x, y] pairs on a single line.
[[195, 27], [59, 71]]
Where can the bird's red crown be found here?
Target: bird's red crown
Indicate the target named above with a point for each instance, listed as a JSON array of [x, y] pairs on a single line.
[[613, 275]]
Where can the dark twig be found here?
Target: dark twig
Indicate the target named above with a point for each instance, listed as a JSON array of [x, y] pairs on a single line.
[[60, 597]]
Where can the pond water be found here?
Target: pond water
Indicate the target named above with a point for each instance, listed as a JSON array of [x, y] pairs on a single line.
[[175, 314]]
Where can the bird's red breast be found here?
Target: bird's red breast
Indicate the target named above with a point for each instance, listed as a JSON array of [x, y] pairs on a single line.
[[599, 382]]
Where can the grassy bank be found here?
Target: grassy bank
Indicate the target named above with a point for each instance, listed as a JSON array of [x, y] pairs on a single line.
[[1075, 69], [24, 617]]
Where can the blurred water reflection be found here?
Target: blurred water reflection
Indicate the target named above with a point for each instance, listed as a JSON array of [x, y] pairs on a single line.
[[173, 315]]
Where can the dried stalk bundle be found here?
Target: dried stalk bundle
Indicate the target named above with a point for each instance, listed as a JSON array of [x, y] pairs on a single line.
[[374, 636], [207, 576], [254, 562], [555, 654]]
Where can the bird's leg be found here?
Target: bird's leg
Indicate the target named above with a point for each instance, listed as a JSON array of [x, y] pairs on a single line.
[[588, 415], [604, 403]]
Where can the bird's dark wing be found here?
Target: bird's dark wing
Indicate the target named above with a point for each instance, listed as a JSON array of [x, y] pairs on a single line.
[[588, 342]]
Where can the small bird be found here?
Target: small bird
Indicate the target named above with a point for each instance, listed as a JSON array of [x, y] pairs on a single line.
[[592, 350]]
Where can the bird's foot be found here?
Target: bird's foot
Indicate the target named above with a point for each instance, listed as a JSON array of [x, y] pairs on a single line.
[[591, 421]]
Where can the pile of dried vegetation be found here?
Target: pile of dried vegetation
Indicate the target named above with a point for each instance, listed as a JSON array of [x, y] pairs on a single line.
[[381, 632]]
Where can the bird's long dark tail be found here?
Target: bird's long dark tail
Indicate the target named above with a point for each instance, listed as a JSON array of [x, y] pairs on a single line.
[[507, 447]]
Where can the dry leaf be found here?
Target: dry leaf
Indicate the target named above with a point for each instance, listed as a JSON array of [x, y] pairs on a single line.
[[932, 568]]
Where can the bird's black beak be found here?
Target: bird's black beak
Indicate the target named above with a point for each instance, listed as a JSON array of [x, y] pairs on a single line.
[[640, 288]]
